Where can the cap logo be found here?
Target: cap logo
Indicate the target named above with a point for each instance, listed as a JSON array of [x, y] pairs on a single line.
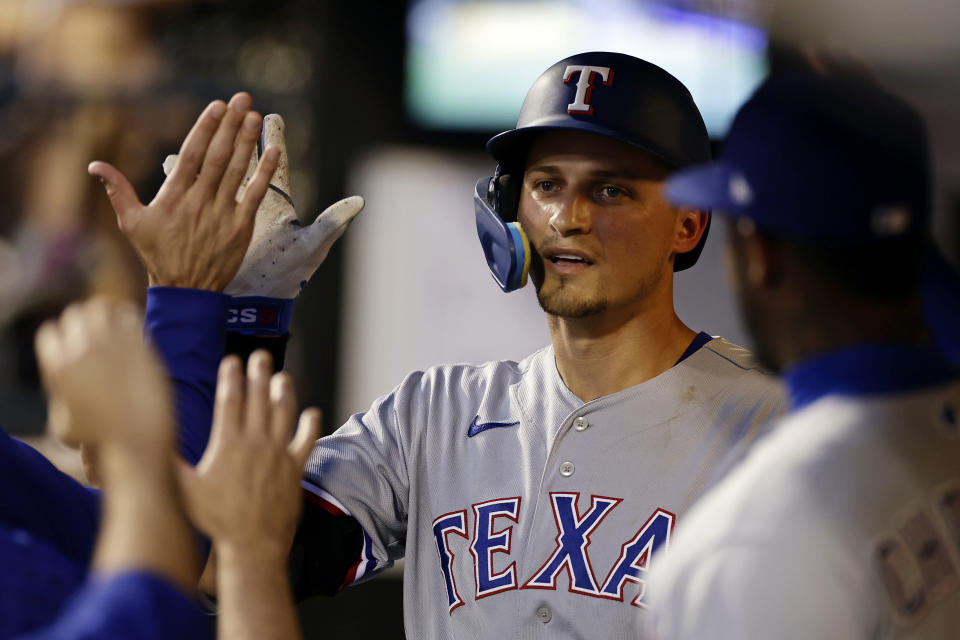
[[740, 191], [585, 81], [890, 220]]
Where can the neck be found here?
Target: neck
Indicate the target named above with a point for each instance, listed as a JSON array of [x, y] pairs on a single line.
[[803, 337], [602, 354]]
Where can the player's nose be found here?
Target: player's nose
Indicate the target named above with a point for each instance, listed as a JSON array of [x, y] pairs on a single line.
[[572, 215]]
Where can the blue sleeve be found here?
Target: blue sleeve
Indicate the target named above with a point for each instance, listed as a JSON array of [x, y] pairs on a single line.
[[35, 582], [132, 606], [188, 328], [47, 503]]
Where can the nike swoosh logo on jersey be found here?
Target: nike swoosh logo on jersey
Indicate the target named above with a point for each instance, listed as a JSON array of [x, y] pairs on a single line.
[[477, 427]]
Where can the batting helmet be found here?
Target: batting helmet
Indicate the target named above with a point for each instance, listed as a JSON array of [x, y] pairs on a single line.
[[610, 94]]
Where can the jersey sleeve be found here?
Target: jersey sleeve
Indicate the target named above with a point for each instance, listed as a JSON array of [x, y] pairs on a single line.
[[36, 580], [361, 471], [187, 327], [43, 501], [133, 606]]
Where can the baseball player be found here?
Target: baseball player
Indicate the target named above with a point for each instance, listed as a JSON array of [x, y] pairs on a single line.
[[845, 522], [529, 498]]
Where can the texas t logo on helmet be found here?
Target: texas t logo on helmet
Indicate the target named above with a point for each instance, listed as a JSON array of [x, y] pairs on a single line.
[[620, 112], [581, 103]]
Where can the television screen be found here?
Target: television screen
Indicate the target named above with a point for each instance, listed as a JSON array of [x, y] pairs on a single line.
[[470, 62]]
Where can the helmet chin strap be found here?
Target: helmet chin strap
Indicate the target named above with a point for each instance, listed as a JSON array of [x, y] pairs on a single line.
[[505, 244]]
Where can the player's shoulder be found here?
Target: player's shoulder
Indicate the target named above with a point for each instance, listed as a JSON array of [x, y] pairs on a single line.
[[724, 354], [478, 377], [736, 370]]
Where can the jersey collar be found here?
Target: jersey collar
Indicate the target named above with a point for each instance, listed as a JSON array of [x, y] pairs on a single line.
[[865, 369]]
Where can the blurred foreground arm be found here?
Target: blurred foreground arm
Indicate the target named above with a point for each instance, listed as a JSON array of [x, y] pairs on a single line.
[[245, 494], [108, 389]]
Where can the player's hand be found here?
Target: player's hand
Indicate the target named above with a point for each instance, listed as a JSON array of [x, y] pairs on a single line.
[[194, 233], [106, 386], [245, 492], [283, 254]]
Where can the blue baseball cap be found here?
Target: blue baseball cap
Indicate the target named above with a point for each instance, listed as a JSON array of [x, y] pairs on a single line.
[[829, 158]]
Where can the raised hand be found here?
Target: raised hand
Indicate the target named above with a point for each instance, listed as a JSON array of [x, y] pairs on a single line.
[[283, 254], [105, 385], [245, 491], [195, 232]]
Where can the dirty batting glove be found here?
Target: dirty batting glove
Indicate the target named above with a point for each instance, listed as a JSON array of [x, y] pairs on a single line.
[[283, 254]]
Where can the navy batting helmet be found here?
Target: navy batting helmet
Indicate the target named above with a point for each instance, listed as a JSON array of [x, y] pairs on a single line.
[[610, 94]]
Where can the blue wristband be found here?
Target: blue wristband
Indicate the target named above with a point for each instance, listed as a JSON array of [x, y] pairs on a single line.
[[256, 315]]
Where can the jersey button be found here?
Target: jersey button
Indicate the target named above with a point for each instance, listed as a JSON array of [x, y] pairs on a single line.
[[581, 424], [567, 469], [544, 614]]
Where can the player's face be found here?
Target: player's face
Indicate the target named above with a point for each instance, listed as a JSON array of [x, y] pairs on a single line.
[[603, 233], [743, 254]]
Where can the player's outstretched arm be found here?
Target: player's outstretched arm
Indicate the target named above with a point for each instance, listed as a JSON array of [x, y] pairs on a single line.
[[283, 254], [108, 389], [245, 494]]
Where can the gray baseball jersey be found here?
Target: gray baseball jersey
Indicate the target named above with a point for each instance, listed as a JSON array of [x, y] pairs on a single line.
[[844, 523], [524, 512]]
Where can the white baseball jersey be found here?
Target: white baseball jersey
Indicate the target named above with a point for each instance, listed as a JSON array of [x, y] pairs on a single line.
[[524, 512], [844, 523]]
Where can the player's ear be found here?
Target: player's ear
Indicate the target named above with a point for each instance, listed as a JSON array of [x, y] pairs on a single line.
[[691, 225], [755, 253]]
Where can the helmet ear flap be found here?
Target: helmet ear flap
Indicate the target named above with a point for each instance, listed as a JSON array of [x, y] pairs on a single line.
[[505, 245]]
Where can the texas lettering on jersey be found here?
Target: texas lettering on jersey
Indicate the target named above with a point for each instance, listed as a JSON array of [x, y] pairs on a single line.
[[491, 533]]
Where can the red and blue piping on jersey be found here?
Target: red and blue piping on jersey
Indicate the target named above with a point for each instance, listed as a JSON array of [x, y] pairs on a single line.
[[366, 563], [570, 555]]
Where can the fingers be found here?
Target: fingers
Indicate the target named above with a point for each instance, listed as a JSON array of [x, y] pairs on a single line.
[[47, 346], [273, 136], [253, 194], [228, 403], [73, 329], [123, 197], [340, 213], [221, 147], [283, 408], [194, 148], [331, 224], [244, 149], [307, 433], [259, 370]]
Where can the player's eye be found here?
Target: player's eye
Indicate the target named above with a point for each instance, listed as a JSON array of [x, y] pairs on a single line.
[[610, 192], [546, 185]]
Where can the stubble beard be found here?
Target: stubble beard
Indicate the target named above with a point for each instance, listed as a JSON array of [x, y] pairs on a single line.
[[565, 301]]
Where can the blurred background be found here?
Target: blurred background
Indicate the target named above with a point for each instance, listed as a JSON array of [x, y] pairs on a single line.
[[392, 100]]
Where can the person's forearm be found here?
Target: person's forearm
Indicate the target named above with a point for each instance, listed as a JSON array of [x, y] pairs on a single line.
[[144, 527], [254, 594]]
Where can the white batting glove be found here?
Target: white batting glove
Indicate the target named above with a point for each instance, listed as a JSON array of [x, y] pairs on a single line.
[[283, 254]]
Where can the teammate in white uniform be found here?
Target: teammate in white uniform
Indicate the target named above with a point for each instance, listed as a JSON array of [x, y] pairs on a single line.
[[530, 498], [845, 522]]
